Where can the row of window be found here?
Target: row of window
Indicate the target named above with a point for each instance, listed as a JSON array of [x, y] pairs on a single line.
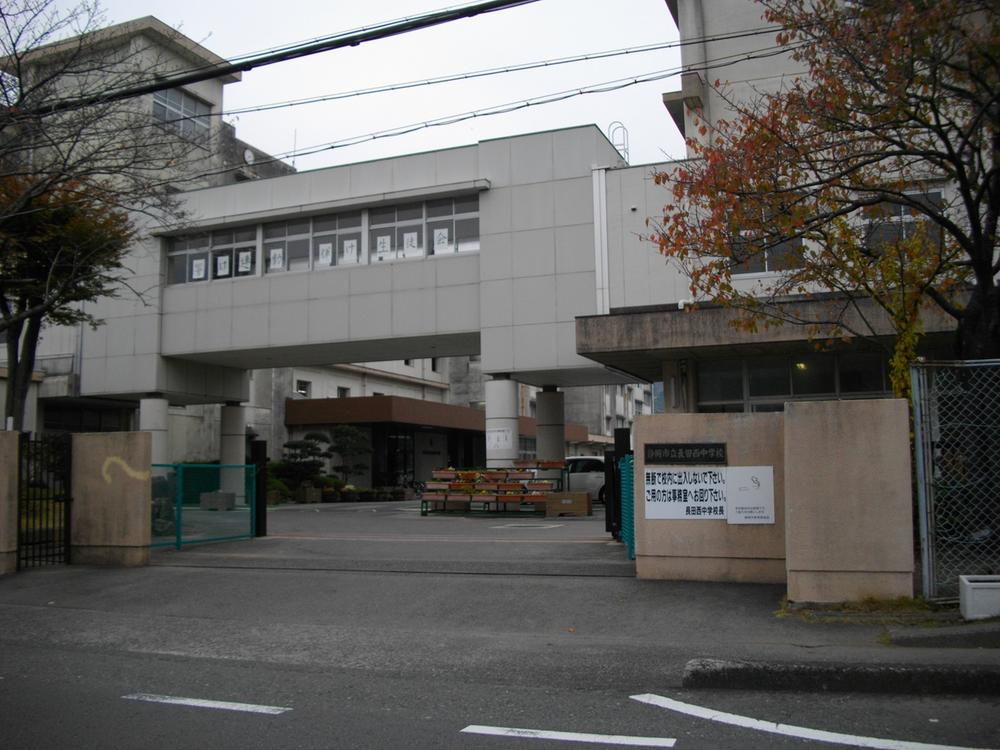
[[884, 224], [414, 230], [764, 383]]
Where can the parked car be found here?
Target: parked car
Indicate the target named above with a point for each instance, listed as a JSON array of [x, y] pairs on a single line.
[[586, 473]]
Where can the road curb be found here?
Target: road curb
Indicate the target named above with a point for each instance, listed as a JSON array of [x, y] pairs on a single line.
[[839, 677]]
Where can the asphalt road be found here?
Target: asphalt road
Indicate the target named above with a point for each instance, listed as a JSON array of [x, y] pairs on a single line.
[[371, 627]]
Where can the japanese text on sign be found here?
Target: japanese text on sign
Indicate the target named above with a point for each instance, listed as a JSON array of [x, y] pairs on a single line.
[[684, 454], [691, 492]]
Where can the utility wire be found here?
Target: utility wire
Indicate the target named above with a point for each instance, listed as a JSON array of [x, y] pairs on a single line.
[[343, 40], [606, 87], [486, 72]]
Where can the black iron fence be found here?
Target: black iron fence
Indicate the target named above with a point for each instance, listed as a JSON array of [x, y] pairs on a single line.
[[43, 501]]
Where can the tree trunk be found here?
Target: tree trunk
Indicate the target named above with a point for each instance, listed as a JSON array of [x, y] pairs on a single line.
[[13, 343], [22, 341], [979, 328]]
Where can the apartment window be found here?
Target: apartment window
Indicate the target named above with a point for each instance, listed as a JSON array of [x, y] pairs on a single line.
[[343, 392], [303, 388], [183, 113]]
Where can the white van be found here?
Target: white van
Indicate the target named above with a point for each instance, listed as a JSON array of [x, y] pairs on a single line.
[[586, 473]]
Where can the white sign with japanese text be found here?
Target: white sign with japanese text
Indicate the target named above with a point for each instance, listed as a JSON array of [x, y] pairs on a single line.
[[735, 494], [683, 492]]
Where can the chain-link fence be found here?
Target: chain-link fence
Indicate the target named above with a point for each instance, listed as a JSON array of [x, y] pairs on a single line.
[[956, 410]]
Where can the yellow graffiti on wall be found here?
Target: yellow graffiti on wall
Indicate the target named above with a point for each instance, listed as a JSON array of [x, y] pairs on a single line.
[[134, 473]]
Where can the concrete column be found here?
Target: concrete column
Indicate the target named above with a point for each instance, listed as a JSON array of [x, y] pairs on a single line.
[[551, 431], [234, 431], [502, 431], [153, 419]]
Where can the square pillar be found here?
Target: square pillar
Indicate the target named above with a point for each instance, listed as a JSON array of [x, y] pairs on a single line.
[[551, 425]]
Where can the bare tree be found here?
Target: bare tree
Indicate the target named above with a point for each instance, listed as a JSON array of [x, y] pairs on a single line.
[[97, 160]]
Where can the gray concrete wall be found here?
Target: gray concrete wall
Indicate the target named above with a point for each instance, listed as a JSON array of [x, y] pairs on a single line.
[[849, 504], [111, 510], [8, 501], [712, 550], [842, 502]]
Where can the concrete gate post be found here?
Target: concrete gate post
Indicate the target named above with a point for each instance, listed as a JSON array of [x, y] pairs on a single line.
[[551, 434], [502, 431]]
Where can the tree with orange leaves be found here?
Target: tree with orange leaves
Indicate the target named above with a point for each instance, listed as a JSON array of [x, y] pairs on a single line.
[[874, 176]]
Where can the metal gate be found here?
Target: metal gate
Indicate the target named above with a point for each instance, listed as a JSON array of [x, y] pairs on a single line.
[[43, 501], [956, 416]]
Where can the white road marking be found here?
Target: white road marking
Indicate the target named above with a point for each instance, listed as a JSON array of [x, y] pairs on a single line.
[[790, 730], [598, 739], [250, 708]]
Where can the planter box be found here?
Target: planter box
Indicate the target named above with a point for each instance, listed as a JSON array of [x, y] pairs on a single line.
[[539, 486], [443, 474], [979, 596], [217, 501]]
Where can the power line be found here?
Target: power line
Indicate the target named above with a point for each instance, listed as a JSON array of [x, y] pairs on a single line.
[[383, 31], [606, 87], [515, 68]]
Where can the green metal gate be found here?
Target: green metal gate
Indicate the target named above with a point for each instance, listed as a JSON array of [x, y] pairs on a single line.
[[202, 503]]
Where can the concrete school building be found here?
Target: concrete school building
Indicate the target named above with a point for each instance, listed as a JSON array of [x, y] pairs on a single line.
[[524, 251], [93, 380]]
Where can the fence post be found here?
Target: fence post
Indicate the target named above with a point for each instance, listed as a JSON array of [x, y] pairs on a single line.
[[258, 457], [179, 505], [918, 394]]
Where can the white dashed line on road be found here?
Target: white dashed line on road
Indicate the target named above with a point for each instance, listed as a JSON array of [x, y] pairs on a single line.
[[250, 708]]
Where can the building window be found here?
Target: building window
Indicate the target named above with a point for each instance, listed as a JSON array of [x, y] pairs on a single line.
[[434, 364], [412, 230], [888, 223], [408, 362], [303, 388], [766, 383], [183, 113], [343, 392], [782, 257]]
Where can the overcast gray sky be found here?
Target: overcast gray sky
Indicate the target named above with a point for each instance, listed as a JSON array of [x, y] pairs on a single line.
[[545, 30]]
